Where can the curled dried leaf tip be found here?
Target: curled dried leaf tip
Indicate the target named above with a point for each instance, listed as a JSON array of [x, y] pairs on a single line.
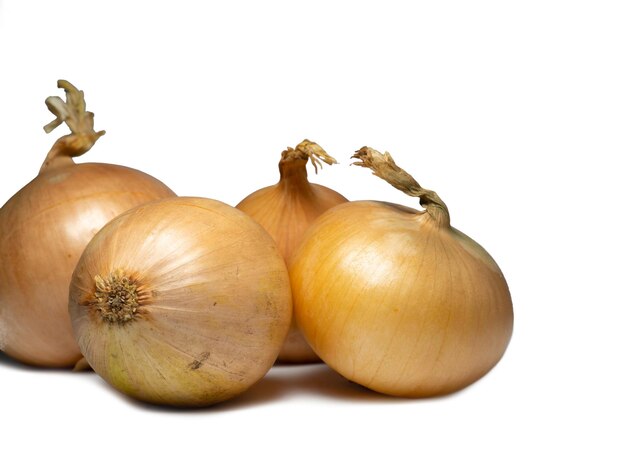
[[311, 151], [383, 166], [72, 112]]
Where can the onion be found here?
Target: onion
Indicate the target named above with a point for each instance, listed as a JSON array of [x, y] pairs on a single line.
[[286, 210], [396, 299], [44, 229], [182, 302]]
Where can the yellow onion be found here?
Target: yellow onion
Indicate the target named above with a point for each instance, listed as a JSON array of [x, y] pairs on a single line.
[[396, 299], [183, 302], [286, 210], [44, 229]]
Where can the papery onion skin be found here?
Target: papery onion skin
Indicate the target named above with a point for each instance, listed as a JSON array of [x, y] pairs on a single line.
[[213, 302], [43, 231], [399, 301], [286, 210]]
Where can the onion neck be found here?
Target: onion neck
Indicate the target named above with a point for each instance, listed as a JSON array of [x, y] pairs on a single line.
[[80, 121], [293, 174], [67, 147], [383, 166]]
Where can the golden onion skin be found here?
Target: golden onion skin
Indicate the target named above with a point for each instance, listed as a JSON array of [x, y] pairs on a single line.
[[398, 300], [213, 302], [286, 210], [397, 304], [44, 229]]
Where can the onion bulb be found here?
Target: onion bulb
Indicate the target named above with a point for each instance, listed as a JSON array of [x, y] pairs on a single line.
[[286, 210], [44, 229], [181, 302], [396, 299]]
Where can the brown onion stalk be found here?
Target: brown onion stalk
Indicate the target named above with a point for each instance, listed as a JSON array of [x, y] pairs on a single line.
[[45, 227], [286, 210], [396, 299]]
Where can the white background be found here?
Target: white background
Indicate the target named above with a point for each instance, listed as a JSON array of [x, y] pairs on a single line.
[[514, 112]]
